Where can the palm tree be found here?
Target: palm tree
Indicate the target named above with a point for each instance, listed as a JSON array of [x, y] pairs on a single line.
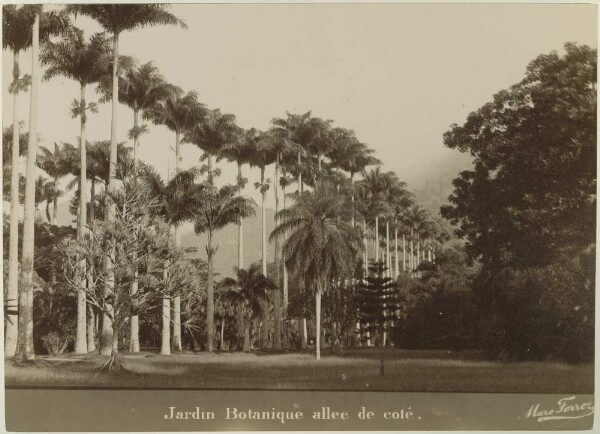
[[118, 18], [247, 292], [353, 157], [263, 154], [320, 138], [284, 145], [375, 183], [87, 62], [212, 208], [171, 198], [212, 134], [141, 88], [321, 246], [241, 153], [24, 27], [179, 113], [56, 164], [42, 26]]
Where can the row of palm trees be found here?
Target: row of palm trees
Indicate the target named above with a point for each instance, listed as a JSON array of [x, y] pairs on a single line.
[[304, 148]]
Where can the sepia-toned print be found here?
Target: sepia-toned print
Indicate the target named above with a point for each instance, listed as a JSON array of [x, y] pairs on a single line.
[[299, 216]]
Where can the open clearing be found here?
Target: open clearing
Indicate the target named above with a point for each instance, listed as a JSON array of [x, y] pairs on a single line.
[[359, 369]]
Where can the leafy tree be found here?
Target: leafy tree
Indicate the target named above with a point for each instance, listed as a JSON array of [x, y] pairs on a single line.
[[528, 206]]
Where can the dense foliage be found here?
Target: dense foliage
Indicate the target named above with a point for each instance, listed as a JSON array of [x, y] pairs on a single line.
[[527, 209]]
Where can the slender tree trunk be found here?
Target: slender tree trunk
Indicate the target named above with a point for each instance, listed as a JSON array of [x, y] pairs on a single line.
[[352, 187], [177, 300], [81, 339], [108, 334], [210, 302], [388, 258], [318, 324], [246, 347], [222, 340], [239, 310], [403, 253], [396, 259], [418, 255], [304, 333], [165, 342], [11, 330], [91, 331], [25, 349], [264, 330], [285, 286], [54, 205], [277, 293], [366, 255], [93, 315], [263, 222], [412, 257], [134, 320], [240, 227], [300, 185], [48, 215], [376, 239]]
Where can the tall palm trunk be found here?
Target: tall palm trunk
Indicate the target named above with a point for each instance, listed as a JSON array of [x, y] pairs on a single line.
[[11, 330], [210, 302], [25, 332], [177, 299], [246, 347], [377, 239], [396, 259], [134, 320], [165, 341], [81, 341], [352, 197], [366, 255], [263, 221], [412, 257], [264, 330], [285, 284], [299, 172], [318, 323], [54, 205], [109, 337], [222, 336], [403, 253], [240, 226], [277, 292], [388, 258], [92, 314]]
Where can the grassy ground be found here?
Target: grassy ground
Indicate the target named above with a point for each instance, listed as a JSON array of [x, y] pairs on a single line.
[[404, 370]]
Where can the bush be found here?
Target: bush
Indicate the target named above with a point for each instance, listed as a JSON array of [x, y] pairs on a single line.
[[56, 343], [542, 313]]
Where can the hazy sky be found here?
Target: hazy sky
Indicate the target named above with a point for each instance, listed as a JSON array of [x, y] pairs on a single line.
[[398, 74]]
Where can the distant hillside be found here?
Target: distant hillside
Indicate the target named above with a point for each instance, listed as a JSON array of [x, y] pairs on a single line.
[[435, 185]]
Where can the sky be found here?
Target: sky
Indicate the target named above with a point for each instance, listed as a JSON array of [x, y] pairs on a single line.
[[398, 74]]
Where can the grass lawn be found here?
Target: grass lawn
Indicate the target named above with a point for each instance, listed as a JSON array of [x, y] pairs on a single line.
[[359, 369]]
